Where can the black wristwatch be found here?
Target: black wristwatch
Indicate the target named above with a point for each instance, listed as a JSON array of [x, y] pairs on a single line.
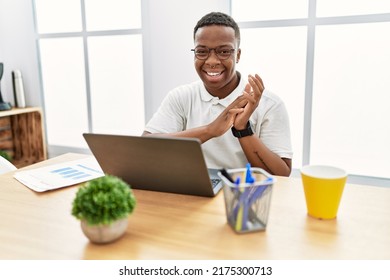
[[244, 132]]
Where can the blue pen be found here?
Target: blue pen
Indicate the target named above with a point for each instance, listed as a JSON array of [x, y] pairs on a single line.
[[234, 203], [259, 191], [248, 176], [249, 180], [240, 209]]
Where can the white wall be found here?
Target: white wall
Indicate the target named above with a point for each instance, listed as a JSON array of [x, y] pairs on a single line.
[[168, 27], [18, 49]]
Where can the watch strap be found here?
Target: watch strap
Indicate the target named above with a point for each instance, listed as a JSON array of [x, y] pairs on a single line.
[[243, 132]]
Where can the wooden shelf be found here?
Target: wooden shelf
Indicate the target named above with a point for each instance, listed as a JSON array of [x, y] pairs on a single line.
[[22, 135]]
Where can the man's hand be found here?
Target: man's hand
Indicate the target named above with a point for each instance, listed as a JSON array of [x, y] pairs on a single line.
[[226, 119], [252, 94], [238, 112]]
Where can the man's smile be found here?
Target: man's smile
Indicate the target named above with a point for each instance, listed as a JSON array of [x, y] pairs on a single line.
[[213, 74]]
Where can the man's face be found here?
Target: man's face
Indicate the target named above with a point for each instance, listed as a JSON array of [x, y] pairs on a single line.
[[218, 75]]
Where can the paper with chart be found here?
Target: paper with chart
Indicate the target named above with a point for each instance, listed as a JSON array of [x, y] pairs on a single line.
[[60, 175]]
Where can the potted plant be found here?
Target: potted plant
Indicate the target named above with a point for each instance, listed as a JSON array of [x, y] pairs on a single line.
[[5, 155], [103, 206]]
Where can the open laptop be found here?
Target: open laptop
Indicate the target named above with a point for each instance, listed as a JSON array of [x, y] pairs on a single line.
[[165, 164]]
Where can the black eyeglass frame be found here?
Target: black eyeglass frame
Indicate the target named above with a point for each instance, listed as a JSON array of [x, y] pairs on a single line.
[[231, 51]]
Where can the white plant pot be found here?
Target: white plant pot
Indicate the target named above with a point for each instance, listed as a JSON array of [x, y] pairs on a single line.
[[105, 233]]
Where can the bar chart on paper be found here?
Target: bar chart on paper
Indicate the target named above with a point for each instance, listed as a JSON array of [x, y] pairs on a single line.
[[75, 173], [60, 175]]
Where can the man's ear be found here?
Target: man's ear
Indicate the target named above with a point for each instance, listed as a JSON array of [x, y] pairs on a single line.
[[238, 55]]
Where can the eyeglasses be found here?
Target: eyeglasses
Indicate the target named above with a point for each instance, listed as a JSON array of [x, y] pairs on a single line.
[[222, 53]]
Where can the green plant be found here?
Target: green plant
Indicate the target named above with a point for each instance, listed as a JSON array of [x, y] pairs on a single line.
[[5, 155], [104, 200]]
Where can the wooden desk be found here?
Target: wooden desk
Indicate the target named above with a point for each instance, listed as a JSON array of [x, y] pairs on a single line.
[[170, 226]]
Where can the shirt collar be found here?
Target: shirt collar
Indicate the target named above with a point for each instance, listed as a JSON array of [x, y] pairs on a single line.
[[207, 97]]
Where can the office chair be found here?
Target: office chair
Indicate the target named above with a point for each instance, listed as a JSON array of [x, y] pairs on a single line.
[[6, 166]]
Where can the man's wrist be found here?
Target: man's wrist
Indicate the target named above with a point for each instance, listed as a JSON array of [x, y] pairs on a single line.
[[243, 132]]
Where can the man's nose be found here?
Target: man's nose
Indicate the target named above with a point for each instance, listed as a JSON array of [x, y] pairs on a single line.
[[213, 56]]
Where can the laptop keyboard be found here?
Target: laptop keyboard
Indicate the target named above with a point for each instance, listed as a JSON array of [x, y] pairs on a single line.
[[214, 182]]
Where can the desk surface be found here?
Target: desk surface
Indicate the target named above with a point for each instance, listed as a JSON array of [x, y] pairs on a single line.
[[170, 226]]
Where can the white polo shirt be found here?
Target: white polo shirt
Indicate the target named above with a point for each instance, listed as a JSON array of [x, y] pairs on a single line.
[[191, 106]]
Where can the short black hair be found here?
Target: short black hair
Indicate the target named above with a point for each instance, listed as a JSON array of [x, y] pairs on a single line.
[[217, 18]]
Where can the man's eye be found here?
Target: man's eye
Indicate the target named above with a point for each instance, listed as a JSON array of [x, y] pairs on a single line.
[[224, 51], [201, 51]]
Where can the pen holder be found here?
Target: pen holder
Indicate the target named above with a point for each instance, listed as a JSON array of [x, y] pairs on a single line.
[[247, 204]]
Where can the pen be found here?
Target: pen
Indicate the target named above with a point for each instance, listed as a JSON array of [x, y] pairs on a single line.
[[248, 176], [227, 175], [259, 191], [242, 213], [245, 202], [235, 199]]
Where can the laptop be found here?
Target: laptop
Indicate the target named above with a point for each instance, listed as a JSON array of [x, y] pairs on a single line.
[[164, 164]]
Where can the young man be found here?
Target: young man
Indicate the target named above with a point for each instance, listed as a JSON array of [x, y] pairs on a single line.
[[237, 120]]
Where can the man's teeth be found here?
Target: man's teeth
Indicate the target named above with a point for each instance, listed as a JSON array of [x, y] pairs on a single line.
[[213, 74]]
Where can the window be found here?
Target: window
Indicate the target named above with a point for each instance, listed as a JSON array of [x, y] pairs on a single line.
[[63, 73], [336, 57], [274, 62], [91, 65], [277, 52], [327, 8], [350, 98], [260, 10]]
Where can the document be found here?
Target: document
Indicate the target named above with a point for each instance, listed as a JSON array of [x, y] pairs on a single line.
[[60, 175]]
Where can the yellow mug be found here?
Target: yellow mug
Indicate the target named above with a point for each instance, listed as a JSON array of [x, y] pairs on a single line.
[[323, 186]]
